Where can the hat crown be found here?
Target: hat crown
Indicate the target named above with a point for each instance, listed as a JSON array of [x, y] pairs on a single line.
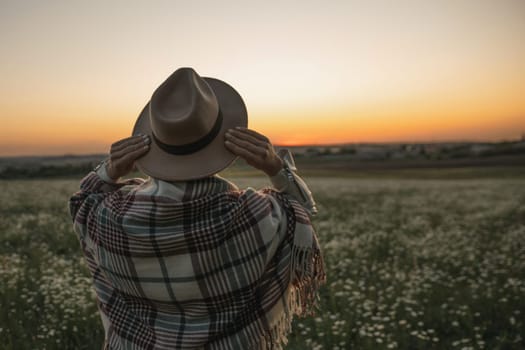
[[183, 109]]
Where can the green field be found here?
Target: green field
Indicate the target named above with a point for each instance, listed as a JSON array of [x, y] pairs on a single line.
[[411, 264]]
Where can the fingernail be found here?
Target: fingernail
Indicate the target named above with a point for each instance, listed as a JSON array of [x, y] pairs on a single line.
[[228, 134]]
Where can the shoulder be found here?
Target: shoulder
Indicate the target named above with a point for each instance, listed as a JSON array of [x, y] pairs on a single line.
[[269, 201]]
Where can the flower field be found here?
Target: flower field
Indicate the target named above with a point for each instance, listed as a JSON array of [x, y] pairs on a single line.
[[411, 264]]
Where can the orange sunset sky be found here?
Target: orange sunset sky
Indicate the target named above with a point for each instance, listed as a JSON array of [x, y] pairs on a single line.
[[75, 74]]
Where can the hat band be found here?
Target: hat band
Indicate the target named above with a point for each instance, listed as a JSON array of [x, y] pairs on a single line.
[[192, 147]]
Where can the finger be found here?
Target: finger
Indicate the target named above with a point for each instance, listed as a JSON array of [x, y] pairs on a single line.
[[248, 142], [259, 151], [252, 133], [132, 156], [241, 152], [127, 142], [119, 142], [123, 153], [114, 155], [247, 137]]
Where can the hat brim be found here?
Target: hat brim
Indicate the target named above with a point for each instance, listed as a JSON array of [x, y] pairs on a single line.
[[208, 161]]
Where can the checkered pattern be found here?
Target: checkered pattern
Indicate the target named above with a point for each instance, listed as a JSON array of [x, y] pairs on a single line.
[[197, 264]]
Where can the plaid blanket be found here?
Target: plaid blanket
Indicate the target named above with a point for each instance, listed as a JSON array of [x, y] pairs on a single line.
[[197, 264]]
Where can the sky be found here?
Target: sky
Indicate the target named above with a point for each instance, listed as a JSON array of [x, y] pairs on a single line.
[[74, 75]]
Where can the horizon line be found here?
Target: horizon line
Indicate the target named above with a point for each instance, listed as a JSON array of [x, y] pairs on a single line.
[[337, 144]]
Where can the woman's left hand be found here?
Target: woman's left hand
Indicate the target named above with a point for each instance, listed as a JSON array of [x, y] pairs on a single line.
[[255, 148]]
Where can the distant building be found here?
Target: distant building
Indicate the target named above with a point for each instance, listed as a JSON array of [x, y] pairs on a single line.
[[478, 149]]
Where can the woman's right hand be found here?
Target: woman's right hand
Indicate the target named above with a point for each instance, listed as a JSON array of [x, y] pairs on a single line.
[[124, 153]]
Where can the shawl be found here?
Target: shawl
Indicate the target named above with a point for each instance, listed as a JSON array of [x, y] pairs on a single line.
[[197, 264]]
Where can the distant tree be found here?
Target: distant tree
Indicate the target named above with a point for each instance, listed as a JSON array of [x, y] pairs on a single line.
[[348, 150], [312, 151], [45, 171]]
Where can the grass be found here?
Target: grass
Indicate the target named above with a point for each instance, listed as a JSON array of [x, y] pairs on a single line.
[[456, 173], [338, 169], [411, 264]]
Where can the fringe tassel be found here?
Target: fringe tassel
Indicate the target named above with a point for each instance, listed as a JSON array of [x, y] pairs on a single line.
[[307, 268], [307, 273]]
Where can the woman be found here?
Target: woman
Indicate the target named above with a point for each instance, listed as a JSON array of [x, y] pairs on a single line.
[[184, 259]]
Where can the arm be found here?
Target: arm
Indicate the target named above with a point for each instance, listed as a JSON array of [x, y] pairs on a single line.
[[288, 181], [96, 186], [258, 151]]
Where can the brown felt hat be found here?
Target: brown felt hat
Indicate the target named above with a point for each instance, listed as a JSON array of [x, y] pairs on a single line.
[[186, 119]]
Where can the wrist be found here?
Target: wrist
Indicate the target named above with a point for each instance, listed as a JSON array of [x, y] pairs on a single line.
[[275, 168], [102, 171], [110, 171]]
